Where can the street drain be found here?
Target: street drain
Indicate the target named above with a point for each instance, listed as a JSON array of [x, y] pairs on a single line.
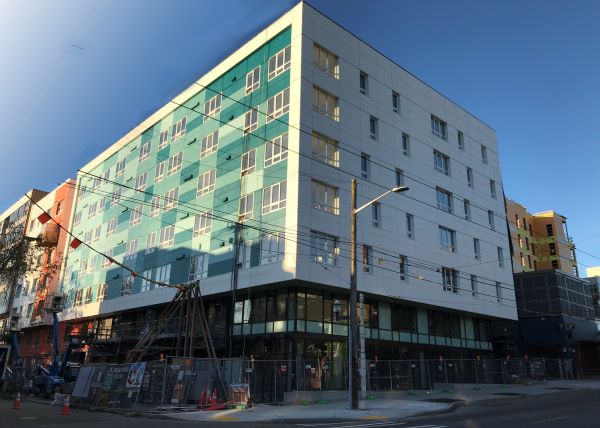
[[510, 394]]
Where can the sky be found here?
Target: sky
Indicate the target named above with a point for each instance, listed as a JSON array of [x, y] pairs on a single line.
[[76, 75]]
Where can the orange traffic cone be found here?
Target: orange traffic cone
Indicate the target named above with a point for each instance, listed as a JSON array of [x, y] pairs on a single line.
[[17, 402], [66, 409], [202, 402]]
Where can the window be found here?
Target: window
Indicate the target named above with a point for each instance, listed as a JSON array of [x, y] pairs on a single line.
[[450, 280], [92, 210], [253, 80], [145, 151], [470, 181], [246, 208], [325, 150], [399, 177], [107, 260], [274, 197], [325, 60], [324, 248], [280, 62], [141, 181], [272, 248], [493, 189], [120, 167], [106, 175], [159, 172], [249, 162], [174, 163], [376, 214], [167, 237], [245, 254], [467, 207], [441, 162], [76, 300], [405, 144], [116, 196], [97, 233], [203, 223], [101, 294], [127, 285], [474, 286], [395, 102], [491, 220], [147, 284], [250, 121], [448, 239], [552, 248], [461, 141], [206, 182], [96, 183], [549, 230], [500, 257], [498, 292], [365, 165], [136, 216], [163, 139], [444, 200], [367, 259], [163, 274], [373, 128], [325, 103], [403, 268], [364, 83], [151, 243], [410, 226], [111, 227], [198, 267], [276, 150], [131, 250], [171, 199], [210, 144], [484, 155], [278, 105], [554, 264], [212, 107], [476, 250], [88, 236], [59, 207], [325, 197], [155, 206], [438, 127]]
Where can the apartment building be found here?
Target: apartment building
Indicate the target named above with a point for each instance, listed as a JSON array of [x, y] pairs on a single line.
[[540, 241], [242, 182]]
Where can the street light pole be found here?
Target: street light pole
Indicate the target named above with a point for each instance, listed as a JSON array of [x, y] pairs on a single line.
[[353, 364], [352, 332]]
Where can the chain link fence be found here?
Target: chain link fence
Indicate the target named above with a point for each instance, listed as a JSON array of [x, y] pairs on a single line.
[[181, 382]]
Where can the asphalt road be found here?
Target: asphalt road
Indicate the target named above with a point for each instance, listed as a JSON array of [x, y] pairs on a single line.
[[571, 409]]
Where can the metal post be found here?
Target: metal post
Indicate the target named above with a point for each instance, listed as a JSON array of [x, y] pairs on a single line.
[[353, 366], [363, 358]]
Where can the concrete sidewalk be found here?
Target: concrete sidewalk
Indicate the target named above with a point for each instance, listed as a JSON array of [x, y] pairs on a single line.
[[385, 405]]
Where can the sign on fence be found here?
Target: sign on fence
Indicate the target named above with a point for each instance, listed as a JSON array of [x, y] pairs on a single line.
[[135, 375]]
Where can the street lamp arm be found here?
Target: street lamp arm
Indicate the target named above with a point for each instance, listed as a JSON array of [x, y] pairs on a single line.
[[383, 195]]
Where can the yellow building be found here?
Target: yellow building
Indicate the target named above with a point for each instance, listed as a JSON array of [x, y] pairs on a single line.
[[540, 241]]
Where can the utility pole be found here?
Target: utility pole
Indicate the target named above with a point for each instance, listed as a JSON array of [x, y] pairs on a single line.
[[352, 360], [352, 332]]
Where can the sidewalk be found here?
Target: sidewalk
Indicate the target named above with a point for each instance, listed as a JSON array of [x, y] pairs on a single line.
[[385, 405]]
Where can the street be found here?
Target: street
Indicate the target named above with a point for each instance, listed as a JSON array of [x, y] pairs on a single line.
[[573, 409]]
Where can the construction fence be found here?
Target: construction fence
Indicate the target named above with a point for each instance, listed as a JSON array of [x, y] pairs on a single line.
[[181, 382]]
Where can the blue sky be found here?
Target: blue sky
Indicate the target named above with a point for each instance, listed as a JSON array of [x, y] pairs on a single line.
[[530, 69]]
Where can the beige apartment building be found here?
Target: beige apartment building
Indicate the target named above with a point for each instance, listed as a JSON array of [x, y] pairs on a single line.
[[540, 241]]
